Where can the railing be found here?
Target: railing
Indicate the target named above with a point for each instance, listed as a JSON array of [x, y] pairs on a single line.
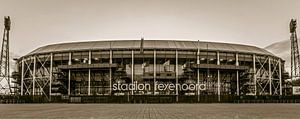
[[214, 66], [152, 99], [87, 66]]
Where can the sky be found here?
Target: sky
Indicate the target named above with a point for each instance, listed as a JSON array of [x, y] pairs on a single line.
[[36, 23]]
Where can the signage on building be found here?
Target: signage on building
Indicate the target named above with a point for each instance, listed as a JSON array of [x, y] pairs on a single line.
[[296, 90]]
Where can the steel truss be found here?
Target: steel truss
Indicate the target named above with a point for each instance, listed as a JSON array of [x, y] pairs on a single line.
[[5, 81], [36, 75], [267, 76], [295, 57]]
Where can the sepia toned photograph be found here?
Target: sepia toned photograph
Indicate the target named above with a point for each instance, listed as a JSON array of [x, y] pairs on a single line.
[[149, 59]]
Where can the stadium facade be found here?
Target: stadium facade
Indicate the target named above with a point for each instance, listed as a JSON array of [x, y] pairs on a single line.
[[83, 69]]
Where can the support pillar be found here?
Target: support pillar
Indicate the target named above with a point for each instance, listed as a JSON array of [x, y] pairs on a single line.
[[89, 80], [198, 73], [69, 74], [154, 73], [219, 82], [34, 75], [237, 59], [237, 83], [280, 78], [237, 74], [132, 68], [176, 76], [218, 58], [22, 78], [254, 74], [51, 75], [69, 82], [270, 76], [110, 71], [90, 57], [219, 92]]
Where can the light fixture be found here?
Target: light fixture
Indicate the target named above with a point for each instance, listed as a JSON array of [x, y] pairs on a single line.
[[85, 60]]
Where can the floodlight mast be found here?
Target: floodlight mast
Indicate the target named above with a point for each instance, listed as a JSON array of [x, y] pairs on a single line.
[[5, 86], [295, 58]]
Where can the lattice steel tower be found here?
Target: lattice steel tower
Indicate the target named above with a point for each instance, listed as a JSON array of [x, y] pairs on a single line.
[[5, 87], [295, 59]]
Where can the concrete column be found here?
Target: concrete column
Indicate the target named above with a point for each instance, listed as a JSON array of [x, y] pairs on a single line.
[[218, 58], [237, 59], [198, 73], [69, 82], [33, 75], [89, 77], [237, 74], [154, 71], [110, 71], [176, 76], [270, 76], [219, 82], [280, 79], [69, 74], [132, 68], [22, 78], [70, 59], [89, 82], [237, 83], [90, 57], [219, 91], [51, 75], [254, 75]]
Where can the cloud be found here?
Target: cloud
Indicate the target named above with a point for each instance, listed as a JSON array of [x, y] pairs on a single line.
[[282, 50]]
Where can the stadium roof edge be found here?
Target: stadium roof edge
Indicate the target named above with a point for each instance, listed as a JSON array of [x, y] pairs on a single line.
[[149, 44]]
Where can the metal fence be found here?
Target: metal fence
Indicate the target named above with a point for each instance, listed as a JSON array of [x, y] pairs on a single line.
[[152, 99]]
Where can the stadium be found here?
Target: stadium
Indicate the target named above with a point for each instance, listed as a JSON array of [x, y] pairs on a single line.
[[87, 71]]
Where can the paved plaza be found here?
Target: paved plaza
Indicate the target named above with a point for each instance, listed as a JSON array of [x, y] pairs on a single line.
[[150, 111]]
